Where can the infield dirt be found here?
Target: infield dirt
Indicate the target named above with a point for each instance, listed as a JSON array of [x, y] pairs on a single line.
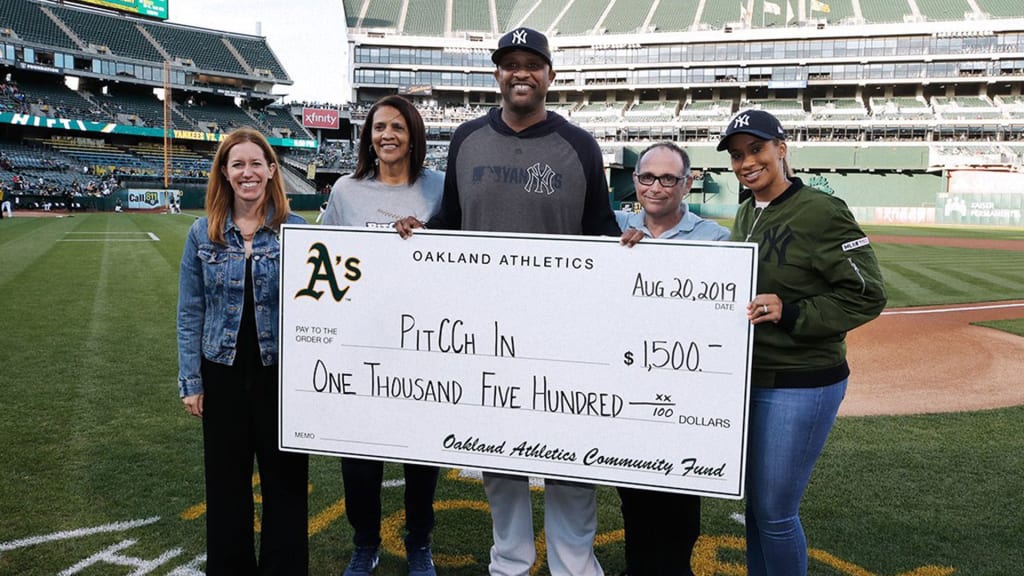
[[932, 359]]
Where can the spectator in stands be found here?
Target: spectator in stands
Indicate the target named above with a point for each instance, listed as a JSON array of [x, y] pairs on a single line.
[[509, 140], [389, 179], [227, 362], [654, 546], [817, 279]]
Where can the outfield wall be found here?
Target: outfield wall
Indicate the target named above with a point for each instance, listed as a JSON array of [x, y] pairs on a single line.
[[882, 184], [982, 198], [976, 198]]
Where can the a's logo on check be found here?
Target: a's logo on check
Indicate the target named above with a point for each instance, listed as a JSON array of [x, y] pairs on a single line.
[[325, 270]]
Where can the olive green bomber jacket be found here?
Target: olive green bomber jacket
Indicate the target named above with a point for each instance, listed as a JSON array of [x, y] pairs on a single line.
[[815, 257]]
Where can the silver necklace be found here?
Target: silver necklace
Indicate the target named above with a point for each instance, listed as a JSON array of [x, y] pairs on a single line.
[[754, 225]]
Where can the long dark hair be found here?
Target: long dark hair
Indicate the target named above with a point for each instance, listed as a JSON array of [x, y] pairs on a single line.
[[366, 165]]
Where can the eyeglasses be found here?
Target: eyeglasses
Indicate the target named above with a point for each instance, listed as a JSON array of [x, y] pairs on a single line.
[[666, 180]]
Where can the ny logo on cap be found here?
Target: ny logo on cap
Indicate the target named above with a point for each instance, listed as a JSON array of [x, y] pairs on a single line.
[[519, 37], [741, 121]]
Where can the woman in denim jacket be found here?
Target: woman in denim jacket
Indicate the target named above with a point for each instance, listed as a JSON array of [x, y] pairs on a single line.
[[227, 362]]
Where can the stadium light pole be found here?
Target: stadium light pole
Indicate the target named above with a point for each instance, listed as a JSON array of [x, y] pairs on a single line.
[[167, 124]]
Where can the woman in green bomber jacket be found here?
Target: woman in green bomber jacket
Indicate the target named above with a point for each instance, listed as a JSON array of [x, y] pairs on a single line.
[[817, 278]]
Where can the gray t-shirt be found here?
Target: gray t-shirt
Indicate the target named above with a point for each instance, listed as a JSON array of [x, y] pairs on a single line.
[[547, 178], [372, 204]]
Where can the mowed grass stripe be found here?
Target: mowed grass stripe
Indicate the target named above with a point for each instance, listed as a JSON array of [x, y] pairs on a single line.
[[959, 470], [89, 326], [93, 327], [132, 283], [988, 232], [48, 315], [943, 280], [171, 229], [925, 275], [917, 284], [133, 357], [24, 241], [1007, 283]]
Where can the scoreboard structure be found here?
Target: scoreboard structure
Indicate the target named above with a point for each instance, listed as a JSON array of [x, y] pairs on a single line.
[[151, 8]]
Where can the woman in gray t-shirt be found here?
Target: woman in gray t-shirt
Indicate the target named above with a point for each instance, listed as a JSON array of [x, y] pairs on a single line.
[[389, 183]]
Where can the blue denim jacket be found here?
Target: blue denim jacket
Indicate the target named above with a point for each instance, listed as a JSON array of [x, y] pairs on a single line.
[[211, 295]]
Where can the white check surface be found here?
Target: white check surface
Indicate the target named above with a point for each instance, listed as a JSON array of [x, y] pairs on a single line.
[[558, 356]]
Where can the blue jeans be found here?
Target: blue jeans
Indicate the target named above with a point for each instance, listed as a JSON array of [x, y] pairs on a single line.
[[788, 429]]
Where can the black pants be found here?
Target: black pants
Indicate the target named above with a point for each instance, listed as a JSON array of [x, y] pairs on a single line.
[[363, 480], [661, 530], [240, 421]]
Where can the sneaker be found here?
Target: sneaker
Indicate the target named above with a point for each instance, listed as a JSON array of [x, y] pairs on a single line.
[[364, 560], [421, 563]]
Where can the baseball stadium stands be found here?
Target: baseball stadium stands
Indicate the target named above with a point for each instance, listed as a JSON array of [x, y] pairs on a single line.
[[204, 49], [120, 37], [280, 120], [876, 86], [55, 100], [383, 14], [626, 17], [136, 109], [661, 111], [31, 24], [425, 17], [598, 17], [669, 17], [1002, 8], [580, 18], [472, 16]]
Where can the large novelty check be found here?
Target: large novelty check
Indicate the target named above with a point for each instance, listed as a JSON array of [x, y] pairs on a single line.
[[565, 357]]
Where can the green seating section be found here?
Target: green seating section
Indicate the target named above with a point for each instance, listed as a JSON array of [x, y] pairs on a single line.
[[471, 16], [383, 14], [584, 17], [425, 18], [28, 21], [581, 18], [121, 36]]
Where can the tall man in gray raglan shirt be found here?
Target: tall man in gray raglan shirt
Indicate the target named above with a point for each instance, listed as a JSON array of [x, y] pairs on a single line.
[[521, 168]]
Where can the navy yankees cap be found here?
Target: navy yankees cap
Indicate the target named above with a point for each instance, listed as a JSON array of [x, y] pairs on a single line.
[[523, 39], [756, 122]]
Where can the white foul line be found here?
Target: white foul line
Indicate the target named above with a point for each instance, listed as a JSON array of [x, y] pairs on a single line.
[[942, 310], [70, 534], [151, 237]]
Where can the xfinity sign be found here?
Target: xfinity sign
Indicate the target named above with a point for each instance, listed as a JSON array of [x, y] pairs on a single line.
[[320, 118]]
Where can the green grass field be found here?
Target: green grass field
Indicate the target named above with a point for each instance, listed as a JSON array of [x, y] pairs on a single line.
[[98, 462]]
